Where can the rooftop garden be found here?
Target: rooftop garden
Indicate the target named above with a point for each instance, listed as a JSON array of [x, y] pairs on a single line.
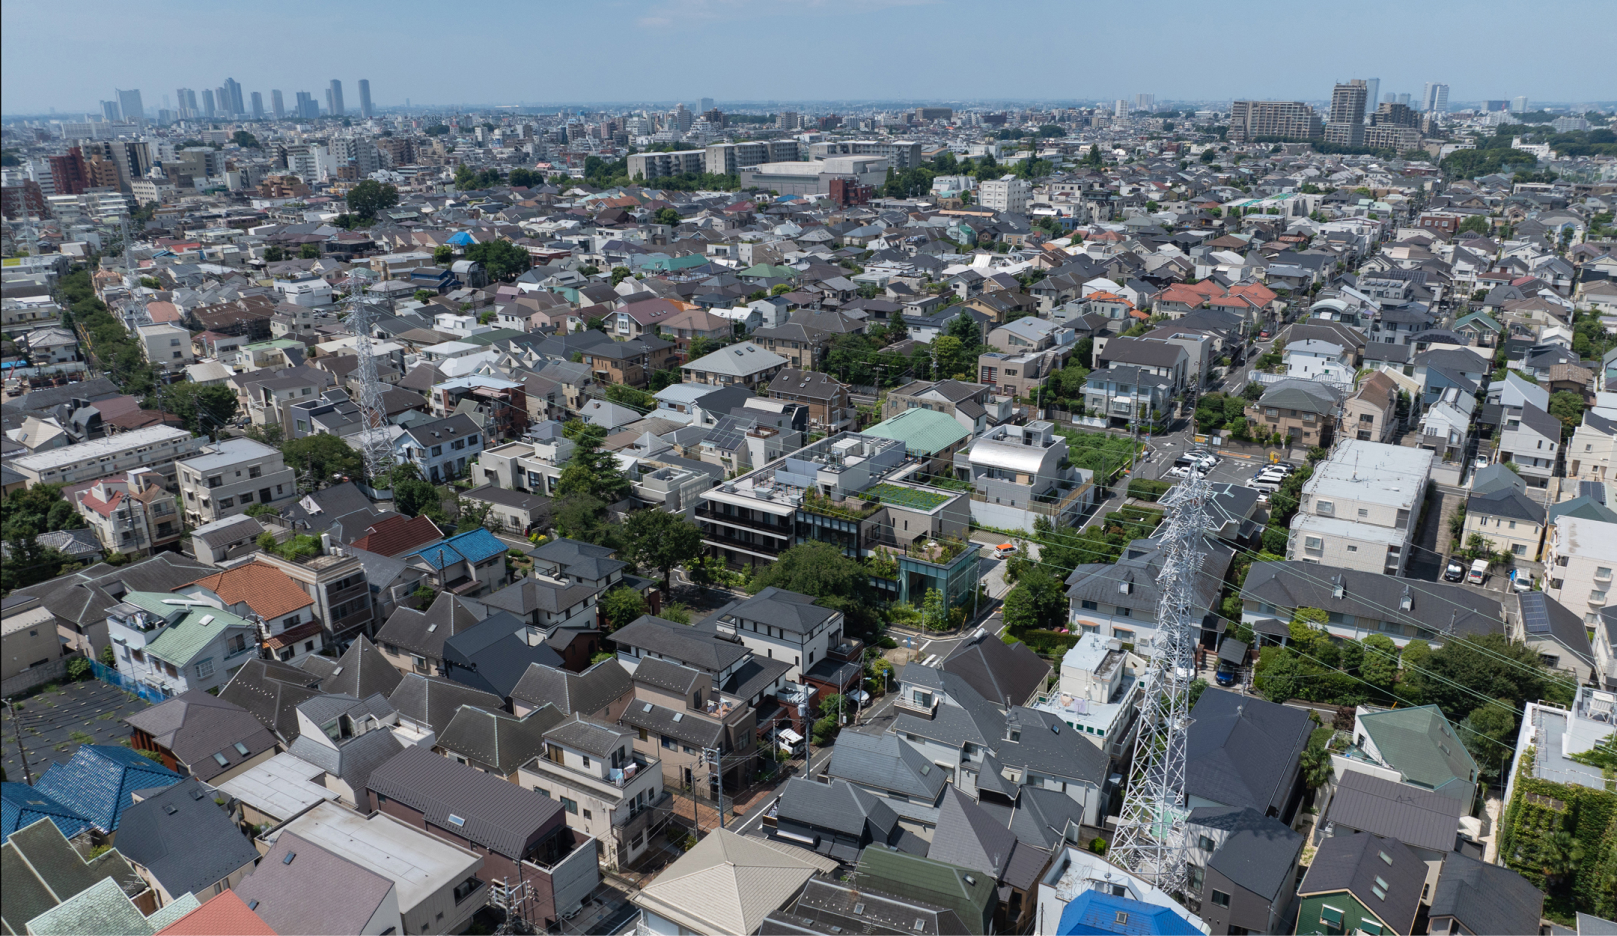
[[937, 551], [851, 508], [296, 549], [912, 498]]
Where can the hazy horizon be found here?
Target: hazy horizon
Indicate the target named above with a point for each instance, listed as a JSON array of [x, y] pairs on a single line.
[[615, 52]]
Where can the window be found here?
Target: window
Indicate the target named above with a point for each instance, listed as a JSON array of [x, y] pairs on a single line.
[[569, 805], [1089, 605], [226, 502], [204, 668], [1597, 594], [465, 889], [542, 791], [1220, 898], [587, 815], [1204, 843], [1314, 543], [1330, 915], [1325, 508]]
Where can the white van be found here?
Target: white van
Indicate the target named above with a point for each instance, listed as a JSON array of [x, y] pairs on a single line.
[[1479, 571], [1264, 483]]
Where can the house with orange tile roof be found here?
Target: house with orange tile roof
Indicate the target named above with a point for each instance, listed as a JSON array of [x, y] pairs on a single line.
[[133, 514], [224, 913], [290, 625], [1179, 299], [1110, 305]]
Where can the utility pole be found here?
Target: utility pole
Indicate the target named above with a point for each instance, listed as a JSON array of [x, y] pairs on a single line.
[[22, 752], [716, 776]]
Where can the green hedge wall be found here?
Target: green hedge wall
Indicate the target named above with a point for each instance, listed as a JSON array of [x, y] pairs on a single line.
[[1591, 817]]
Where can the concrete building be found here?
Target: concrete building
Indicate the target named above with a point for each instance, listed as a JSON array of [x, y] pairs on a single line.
[[27, 637], [606, 788], [166, 346], [133, 514], [154, 447], [1291, 120], [1007, 195], [232, 475], [1017, 475], [1579, 556], [648, 166], [815, 177], [1360, 507]]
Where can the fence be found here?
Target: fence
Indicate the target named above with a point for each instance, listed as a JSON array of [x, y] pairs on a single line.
[[111, 676], [35, 676]]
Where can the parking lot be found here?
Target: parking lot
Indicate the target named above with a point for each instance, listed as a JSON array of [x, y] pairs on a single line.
[[52, 724]]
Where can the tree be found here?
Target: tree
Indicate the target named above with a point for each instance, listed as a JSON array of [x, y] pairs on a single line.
[[309, 252], [668, 216], [323, 457], [1315, 765], [582, 517], [934, 610], [274, 254], [821, 571], [1037, 602], [473, 514], [205, 410], [656, 539], [1489, 734], [522, 177], [245, 140], [502, 259], [370, 197], [1380, 666], [424, 295], [619, 274], [443, 255], [701, 347], [413, 496], [591, 471], [622, 605], [1474, 224], [1568, 408]]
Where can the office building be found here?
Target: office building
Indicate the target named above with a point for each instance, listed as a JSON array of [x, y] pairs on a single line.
[[786, 120], [1372, 93], [185, 109], [1145, 102], [706, 104], [1120, 108], [365, 98], [1286, 120], [334, 98], [1346, 123], [1517, 106], [258, 106], [1403, 99], [238, 105], [277, 106], [934, 113], [900, 154], [1435, 100], [129, 104], [109, 111]]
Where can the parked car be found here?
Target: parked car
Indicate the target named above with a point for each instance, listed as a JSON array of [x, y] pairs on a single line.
[[1453, 572], [1266, 485], [1179, 471], [1003, 550], [1520, 581], [1225, 676], [1479, 571]]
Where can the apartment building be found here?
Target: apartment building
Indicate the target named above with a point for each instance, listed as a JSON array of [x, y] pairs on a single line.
[[1305, 411], [1579, 556], [133, 514], [731, 158], [900, 154], [1592, 450], [648, 166], [232, 475], [1291, 120], [1007, 195], [336, 581], [607, 789], [166, 346], [155, 447], [1371, 414], [1359, 508]]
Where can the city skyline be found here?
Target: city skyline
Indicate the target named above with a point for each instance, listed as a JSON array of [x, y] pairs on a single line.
[[868, 66]]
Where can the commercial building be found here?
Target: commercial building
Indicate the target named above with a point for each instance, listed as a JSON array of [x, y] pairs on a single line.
[[1289, 120], [815, 177], [154, 447], [232, 475], [900, 154], [364, 98], [1359, 508]]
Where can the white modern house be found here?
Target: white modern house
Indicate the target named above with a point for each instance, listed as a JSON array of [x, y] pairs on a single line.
[[1320, 360], [1360, 507]]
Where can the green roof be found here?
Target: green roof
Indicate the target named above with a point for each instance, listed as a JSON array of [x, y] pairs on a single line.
[[182, 641], [103, 908], [1482, 319], [942, 885], [1420, 744], [924, 432], [914, 498]]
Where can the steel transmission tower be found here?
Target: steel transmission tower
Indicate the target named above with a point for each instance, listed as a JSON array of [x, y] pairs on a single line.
[[374, 445], [1150, 838]]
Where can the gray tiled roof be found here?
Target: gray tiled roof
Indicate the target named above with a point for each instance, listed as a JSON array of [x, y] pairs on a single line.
[[665, 674], [1489, 898], [676, 641], [1259, 853], [1243, 751], [1005, 674], [434, 700], [583, 693], [424, 632], [1353, 862], [1434, 606], [497, 739], [969, 837], [497, 814], [317, 891], [1422, 818], [353, 759], [272, 691], [1507, 503], [362, 671], [687, 727], [587, 736], [183, 839], [196, 726], [838, 806], [783, 609]]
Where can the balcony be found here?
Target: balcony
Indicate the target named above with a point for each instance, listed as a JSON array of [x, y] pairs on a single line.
[[759, 544], [905, 705], [782, 529]]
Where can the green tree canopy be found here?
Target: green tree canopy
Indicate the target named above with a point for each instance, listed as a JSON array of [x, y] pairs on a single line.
[[657, 539], [668, 216], [591, 471], [206, 410], [502, 259], [1036, 603], [622, 605], [443, 255], [522, 177], [835, 581], [1568, 408], [371, 197], [323, 457]]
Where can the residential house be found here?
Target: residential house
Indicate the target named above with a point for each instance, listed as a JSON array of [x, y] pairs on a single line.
[[493, 654], [1415, 746], [744, 364], [1360, 602], [222, 540], [1473, 896], [1017, 472], [827, 903], [182, 843], [1303, 410], [1320, 360], [1508, 519], [679, 713], [467, 564], [1242, 868], [440, 449], [302, 888], [346, 738], [413, 640], [971, 405], [1155, 356], [926, 434], [232, 475], [836, 818], [289, 627], [1361, 882], [1579, 556], [45, 871], [829, 409], [202, 736], [608, 790], [968, 836], [1097, 695], [134, 514], [515, 512], [1605, 648], [1591, 453], [1243, 752], [1129, 395], [177, 645], [96, 787], [29, 637], [336, 580], [1359, 508], [1119, 600], [1371, 414], [727, 883], [532, 861], [970, 896]]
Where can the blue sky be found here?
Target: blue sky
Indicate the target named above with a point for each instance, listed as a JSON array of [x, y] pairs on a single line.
[[802, 50]]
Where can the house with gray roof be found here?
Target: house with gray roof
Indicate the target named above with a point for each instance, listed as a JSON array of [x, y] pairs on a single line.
[[784, 625], [201, 735], [1529, 438], [969, 836], [1359, 882], [1005, 674], [184, 843], [1120, 599], [1558, 633], [494, 741], [1243, 751], [1306, 410], [1361, 603], [1242, 867], [888, 766], [1474, 896], [301, 887], [493, 654], [42, 870], [591, 693], [837, 819], [1507, 517]]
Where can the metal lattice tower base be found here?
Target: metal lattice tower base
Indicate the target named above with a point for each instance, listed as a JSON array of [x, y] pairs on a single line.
[[372, 441], [1150, 839]]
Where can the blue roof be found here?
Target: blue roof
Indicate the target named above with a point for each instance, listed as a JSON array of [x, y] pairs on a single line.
[[440, 555], [98, 781], [460, 239], [476, 545], [22, 805], [1095, 912]]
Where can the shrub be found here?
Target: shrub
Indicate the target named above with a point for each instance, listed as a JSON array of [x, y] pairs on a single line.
[[1145, 489], [1097, 845], [79, 668]]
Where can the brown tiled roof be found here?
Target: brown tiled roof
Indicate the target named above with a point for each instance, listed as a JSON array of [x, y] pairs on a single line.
[[397, 535], [270, 592]]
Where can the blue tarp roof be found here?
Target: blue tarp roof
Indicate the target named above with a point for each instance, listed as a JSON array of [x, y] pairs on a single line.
[[22, 805], [460, 239], [98, 781]]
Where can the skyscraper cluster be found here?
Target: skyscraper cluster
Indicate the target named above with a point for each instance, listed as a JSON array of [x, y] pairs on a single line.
[[228, 101]]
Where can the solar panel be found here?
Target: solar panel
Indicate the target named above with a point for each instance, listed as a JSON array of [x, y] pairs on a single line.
[[728, 434], [1535, 613]]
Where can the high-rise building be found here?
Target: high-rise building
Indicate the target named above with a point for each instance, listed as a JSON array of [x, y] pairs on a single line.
[[1346, 123], [1285, 120], [1372, 94], [334, 96], [707, 104], [234, 104], [1145, 102], [208, 109], [109, 111], [1395, 115], [69, 173], [1435, 100], [1403, 99], [307, 108], [786, 120], [258, 106], [129, 103], [1390, 98], [221, 101], [365, 98], [277, 106], [185, 107], [1517, 106]]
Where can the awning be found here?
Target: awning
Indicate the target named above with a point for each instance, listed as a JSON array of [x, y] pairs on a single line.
[[789, 736]]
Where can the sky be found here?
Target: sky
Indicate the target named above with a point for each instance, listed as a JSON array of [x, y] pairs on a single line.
[[623, 51]]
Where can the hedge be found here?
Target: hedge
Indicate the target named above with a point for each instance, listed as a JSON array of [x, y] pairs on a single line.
[[1590, 815], [1145, 489]]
